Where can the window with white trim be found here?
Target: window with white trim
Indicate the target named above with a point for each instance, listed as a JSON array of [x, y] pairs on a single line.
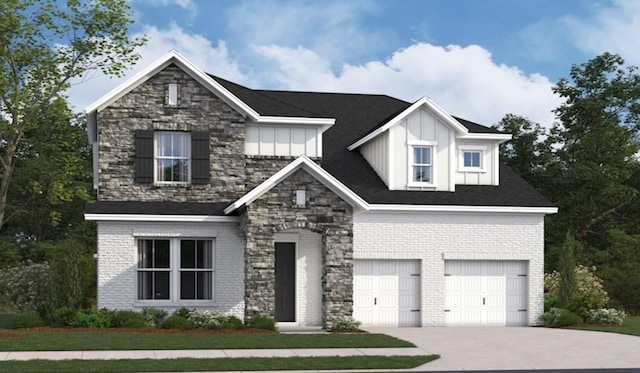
[[172, 157], [422, 164], [175, 269], [471, 158]]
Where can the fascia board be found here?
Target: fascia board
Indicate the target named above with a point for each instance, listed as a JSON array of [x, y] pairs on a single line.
[[325, 122], [424, 101], [308, 165], [162, 218], [466, 209], [500, 137]]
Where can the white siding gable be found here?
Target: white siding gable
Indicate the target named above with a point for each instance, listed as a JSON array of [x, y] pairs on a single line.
[[283, 140], [487, 172]]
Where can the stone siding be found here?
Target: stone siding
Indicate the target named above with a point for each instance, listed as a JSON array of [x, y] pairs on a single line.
[[324, 213], [144, 109], [260, 167]]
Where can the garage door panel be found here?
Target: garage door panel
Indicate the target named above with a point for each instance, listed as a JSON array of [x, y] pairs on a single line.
[[392, 289], [486, 292]]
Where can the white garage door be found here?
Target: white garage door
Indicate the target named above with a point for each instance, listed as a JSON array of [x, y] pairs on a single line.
[[387, 292], [485, 292]]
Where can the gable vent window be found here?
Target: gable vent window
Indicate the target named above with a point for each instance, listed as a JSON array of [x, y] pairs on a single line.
[[172, 157], [422, 166], [172, 94]]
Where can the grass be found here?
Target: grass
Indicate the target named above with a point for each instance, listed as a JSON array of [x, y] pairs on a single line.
[[631, 326], [222, 364], [105, 339]]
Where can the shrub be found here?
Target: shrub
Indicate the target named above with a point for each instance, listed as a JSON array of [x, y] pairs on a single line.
[[589, 293], [154, 316], [607, 316], [261, 322], [25, 287], [28, 320], [92, 319], [346, 324], [231, 322], [550, 302], [72, 272], [127, 319], [560, 317], [177, 322], [182, 312], [63, 316], [205, 319]]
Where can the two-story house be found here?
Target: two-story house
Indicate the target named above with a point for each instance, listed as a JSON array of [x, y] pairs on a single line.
[[308, 207]]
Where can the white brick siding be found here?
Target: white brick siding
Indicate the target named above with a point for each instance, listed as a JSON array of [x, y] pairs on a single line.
[[117, 251], [436, 237], [308, 274]]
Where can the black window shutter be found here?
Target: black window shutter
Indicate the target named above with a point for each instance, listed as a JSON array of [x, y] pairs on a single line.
[[144, 157], [200, 158]]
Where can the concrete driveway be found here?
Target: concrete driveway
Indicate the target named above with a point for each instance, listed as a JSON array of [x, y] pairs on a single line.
[[501, 348]]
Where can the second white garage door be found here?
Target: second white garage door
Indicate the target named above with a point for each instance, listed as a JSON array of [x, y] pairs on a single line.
[[386, 292], [485, 292]]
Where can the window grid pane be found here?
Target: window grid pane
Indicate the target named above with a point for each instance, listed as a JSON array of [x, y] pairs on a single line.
[[196, 269], [471, 159], [154, 277], [421, 164], [173, 156]]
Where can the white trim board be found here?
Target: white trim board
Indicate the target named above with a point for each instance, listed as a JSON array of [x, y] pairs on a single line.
[[162, 218]]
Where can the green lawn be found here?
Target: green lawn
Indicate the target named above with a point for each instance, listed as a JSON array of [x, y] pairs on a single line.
[[631, 326], [113, 339], [238, 364]]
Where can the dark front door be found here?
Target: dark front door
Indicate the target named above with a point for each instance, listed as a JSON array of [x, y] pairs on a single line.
[[285, 281]]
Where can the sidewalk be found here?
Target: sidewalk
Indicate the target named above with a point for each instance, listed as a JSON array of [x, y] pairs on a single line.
[[206, 354]]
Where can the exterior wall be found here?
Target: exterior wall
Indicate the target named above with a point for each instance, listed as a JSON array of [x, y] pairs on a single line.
[[117, 261], [376, 152], [421, 127], [323, 213], [308, 274], [283, 140], [436, 237], [489, 164], [144, 109]]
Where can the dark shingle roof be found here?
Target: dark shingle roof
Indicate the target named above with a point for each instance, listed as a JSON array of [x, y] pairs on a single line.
[[156, 208]]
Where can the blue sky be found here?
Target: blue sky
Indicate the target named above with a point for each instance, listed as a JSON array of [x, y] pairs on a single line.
[[477, 59]]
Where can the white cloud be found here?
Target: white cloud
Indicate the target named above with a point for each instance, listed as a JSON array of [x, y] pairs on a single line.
[[614, 29], [196, 48], [185, 4], [463, 80]]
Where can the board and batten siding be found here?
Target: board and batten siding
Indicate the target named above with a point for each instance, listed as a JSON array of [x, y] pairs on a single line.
[[422, 126], [435, 238], [283, 141], [488, 174], [376, 152]]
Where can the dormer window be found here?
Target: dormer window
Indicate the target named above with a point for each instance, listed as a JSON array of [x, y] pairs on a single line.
[[422, 164], [471, 158]]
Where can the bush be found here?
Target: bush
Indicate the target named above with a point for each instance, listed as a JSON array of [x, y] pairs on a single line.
[[346, 324], [205, 319], [177, 322], [127, 319], [28, 320], [231, 322], [550, 302], [589, 293], [63, 316], [154, 316], [607, 316], [25, 287], [261, 322], [92, 319], [560, 317], [72, 273], [182, 312]]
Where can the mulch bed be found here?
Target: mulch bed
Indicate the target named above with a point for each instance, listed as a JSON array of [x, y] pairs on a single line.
[[151, 330], [9, 335]]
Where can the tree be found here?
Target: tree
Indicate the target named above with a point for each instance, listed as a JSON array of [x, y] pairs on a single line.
[[43, 45]]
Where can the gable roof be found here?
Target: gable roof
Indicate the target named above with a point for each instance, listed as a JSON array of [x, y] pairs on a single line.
[[302, 162]]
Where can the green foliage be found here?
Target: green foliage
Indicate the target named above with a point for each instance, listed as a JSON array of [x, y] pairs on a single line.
[[231, 322], [261, 322], [550, 302], [63, 316], [566, 270], [346, 324], [92, 319], [127, 319], [9, 256], [25, 287], [213, 320], [589, 293], [560, 317], [177, 322], [72, 276], [154, 316], [182, 312], [607, 316], [28, 320]]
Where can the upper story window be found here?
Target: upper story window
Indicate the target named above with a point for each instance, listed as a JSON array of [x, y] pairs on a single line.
[[422, 164], [172, 94], [172, 157], [471, 158]]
